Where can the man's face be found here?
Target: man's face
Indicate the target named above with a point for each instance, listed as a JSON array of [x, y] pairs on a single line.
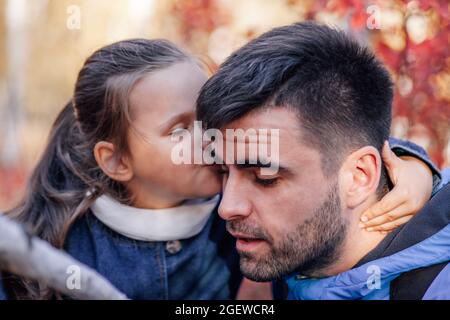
[[289, 221]]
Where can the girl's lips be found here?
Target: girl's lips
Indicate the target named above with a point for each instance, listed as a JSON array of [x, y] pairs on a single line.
[[247, 244]]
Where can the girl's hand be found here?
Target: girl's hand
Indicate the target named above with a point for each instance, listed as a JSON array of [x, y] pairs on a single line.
[[413, 184]]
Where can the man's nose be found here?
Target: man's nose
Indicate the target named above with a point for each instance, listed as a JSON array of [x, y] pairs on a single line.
[[235, 203]]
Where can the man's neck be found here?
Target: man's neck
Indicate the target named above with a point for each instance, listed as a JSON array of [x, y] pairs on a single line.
[[357, 244]]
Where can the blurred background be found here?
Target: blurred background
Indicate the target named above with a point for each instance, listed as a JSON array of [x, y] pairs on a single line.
[[45, 42]]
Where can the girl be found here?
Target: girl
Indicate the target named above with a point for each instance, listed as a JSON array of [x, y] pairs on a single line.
[[106, 191]]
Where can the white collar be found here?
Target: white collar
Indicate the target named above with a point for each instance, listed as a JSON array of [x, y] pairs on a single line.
[[182, 222]]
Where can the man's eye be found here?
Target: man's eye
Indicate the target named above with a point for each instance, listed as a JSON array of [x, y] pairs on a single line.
[[266, 182]]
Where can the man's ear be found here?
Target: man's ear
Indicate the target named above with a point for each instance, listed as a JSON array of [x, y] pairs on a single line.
[[360, 175], [114, 166]]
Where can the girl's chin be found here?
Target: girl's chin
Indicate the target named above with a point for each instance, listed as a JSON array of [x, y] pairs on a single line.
[[205, 183], [206, 190], [210, 174]]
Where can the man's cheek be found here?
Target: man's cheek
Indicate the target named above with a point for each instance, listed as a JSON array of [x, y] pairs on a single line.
[[274, 236]]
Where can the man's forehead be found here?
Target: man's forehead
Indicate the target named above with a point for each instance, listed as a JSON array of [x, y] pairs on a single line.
[[251, 136], [258, 131], [275, 120]]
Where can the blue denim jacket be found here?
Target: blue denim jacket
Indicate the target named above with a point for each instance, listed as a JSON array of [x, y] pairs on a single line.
[[203, 267]]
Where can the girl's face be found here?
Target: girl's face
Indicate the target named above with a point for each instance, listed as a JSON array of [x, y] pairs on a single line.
[[162, 103]]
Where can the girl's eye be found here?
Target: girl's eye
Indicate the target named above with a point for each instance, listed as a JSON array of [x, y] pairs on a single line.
[[181, 128], [178, 131], [266, 182]]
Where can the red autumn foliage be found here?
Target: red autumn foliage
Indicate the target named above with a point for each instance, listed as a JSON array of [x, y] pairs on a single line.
[[426, 64]]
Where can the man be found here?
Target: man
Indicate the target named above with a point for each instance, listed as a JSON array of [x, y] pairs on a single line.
[[331, 101]]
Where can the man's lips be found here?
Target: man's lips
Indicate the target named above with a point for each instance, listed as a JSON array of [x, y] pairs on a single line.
[[246, 243]]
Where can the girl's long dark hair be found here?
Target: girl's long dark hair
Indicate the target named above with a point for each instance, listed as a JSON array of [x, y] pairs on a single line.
[[67, 179]]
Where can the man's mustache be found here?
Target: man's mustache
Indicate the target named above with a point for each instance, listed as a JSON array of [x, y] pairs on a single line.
[[241, 227]]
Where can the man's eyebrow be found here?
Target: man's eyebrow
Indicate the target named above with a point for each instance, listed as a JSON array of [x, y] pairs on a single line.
[[259, 164], [248, 165]]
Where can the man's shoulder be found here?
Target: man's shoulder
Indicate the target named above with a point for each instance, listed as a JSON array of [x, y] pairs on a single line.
[[440, 287], [422, 283], [430, 282]]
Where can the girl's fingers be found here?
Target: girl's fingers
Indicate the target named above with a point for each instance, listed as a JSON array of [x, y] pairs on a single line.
[[389, 202], [386, 153], [390, 216], [390, 161], [389, 226]]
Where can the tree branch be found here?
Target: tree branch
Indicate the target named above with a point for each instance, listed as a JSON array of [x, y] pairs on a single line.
[[36, 259]]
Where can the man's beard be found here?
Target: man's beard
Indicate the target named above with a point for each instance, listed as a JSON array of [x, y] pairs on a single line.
[[308, 249]]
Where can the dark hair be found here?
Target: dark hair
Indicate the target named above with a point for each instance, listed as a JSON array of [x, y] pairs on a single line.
[[67, 179], [341, 93]]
